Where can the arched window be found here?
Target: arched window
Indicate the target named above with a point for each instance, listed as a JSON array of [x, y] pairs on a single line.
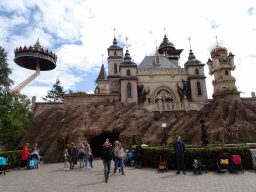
[[115, 53], [128, 72], [199, 92], [197, 71], [115, 68], [226, 72], [129, 90]]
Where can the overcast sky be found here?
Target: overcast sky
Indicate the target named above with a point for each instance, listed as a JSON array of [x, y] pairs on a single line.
[[79, 32]]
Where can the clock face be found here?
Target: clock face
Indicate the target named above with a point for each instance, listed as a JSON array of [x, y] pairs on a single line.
[[224, 59]]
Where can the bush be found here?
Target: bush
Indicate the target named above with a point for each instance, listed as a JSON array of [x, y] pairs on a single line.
[[10, 155], [208, 156]]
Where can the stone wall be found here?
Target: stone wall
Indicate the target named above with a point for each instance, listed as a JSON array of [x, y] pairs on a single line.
[[249, 100], [40, 107], [75, 100]]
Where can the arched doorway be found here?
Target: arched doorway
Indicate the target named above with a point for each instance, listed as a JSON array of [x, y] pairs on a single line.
[[97, 142]]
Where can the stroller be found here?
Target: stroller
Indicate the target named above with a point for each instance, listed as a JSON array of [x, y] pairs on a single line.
[[33, 161], [162, 166], [236, 164], [223, 162], [3, 165], [198, 167], [129, 158]]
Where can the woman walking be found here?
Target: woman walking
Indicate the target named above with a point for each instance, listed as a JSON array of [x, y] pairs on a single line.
[[24, 156]]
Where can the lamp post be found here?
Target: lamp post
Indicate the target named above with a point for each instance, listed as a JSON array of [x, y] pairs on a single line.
[[164, 126]]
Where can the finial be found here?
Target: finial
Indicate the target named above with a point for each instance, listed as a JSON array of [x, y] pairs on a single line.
[[217, 41], [126, 43], [164, 32], [37, 40], [189, 42], [156, 44], [114, 32], [102, 59]]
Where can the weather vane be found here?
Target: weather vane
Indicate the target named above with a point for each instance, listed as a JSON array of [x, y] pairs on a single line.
[[114, 32], [217, 41], [156, 44], [189, 42], [102, 58], [164, 32]]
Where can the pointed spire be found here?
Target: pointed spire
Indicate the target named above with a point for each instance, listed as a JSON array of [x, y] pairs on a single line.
[[37, 44], [102, 74]]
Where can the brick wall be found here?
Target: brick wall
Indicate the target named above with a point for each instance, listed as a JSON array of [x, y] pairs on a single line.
[[250, 100], [40, 107]]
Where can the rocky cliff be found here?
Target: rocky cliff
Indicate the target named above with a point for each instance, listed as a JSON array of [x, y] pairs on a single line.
[[55, 128]]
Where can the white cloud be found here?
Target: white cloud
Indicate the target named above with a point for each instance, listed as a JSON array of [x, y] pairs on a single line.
[[90, 92]]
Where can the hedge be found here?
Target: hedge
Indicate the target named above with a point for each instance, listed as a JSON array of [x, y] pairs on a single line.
[[10, 155], [208, 156]]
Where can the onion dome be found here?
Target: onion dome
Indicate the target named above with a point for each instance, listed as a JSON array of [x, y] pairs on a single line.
[[218, 49], [102, 75], [127, 59], [115, 45], [192, 59], [166, 43]]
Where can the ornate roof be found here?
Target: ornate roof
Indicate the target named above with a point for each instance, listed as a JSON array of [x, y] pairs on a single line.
[[192, 59], [166, 43], [127, 59], [165, 62], [102, 74], [218, 49], [115, 45]]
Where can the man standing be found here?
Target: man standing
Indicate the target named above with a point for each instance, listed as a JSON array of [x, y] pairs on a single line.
[[86, 153], [119, 154], [106, 156], [179, 148]]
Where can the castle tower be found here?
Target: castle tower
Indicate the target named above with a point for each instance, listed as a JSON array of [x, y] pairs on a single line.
[[102, 81], [115, 57], [220, 66], [128, 79], [196, 77], [167, 49]]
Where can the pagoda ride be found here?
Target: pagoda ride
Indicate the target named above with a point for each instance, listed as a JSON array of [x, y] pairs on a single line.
[[34, 58]]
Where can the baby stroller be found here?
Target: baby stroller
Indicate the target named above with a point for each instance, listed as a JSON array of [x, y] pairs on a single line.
[[162, 166], [33, 161], [236, 164], [198, 167], [223, 162], [3, 165], [129, 160]]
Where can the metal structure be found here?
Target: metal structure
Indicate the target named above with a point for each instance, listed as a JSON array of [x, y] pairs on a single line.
[[34, 58]]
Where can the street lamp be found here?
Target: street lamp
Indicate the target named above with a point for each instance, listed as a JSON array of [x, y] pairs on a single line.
[[164, 126]]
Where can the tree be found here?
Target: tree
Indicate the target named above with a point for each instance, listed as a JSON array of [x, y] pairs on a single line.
[[56, 94], [142, 94], [204, 138], [185, 90], [15, 117]]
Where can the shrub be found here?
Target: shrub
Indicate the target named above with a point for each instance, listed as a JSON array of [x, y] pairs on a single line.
[[10, 155], [208, 156]]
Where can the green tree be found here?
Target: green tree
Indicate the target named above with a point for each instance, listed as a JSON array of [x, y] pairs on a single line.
[[204, 138], [142, 93], [56, 94], [15, 117], [185, 90]]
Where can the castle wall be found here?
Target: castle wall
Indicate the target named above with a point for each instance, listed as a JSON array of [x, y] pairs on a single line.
[[75, 100], [40, 107], [250, 101]]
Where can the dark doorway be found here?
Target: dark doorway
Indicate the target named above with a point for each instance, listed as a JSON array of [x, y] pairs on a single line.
[[98, 141]]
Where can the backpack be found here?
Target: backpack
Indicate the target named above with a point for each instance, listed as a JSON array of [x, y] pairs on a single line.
[[236, 159]]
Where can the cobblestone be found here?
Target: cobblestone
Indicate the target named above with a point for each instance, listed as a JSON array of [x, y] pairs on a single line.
[[53, 178]]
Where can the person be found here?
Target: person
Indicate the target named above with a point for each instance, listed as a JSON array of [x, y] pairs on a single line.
[[24, 155], [72, 155], [107, 140], [86, 153], [113, 151], [81, 158], [106, 156], [35, 150], [79, 148], [66, 159], [179, 148], [91, 159], [119, 154]]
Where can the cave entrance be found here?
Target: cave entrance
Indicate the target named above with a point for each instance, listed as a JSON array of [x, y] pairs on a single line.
[[97, 142]]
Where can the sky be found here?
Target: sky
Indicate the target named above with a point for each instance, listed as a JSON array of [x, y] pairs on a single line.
[[80, 31]]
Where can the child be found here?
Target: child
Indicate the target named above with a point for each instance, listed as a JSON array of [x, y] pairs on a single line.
[[90, 160], [66, 159], [81, 158]]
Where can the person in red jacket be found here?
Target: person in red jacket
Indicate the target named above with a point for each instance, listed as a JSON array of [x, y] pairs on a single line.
[[24, 156]]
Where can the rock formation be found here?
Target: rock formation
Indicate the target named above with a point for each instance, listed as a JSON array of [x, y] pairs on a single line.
[[54, 128]]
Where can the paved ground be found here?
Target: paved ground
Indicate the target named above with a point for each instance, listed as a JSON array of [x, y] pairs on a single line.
[[52, 177]]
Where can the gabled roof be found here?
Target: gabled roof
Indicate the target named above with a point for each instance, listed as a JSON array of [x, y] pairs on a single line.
[[102, 75], [165, 62]]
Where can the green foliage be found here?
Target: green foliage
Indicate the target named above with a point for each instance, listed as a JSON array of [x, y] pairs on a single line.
[[247, 137], [10, 155], [56, 94], [208, 156], [204, 138], [114, 91], [185, 90], [184, 138], [142, 94], [79, 92], [15, 117]]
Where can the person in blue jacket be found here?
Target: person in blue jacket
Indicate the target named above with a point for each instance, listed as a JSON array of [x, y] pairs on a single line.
[[179, 148]]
